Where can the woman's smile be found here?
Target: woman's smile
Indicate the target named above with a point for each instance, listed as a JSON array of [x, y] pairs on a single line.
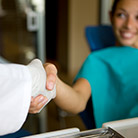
[[127, 35]]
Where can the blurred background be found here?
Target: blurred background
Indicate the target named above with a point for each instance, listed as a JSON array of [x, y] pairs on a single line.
[[53, 31]]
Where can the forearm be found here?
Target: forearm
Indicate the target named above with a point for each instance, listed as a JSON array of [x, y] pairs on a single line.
[[72, 99], [68, 98]]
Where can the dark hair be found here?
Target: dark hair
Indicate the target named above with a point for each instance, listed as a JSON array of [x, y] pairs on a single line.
[[114, 6]]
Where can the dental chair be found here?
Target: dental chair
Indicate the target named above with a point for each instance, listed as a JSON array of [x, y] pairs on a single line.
[[98, 37]]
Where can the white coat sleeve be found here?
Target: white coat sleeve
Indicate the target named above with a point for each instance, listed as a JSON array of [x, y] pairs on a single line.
[[15, 96]]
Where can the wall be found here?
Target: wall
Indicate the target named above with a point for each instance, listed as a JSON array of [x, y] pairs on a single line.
[[81, 13], [105, 8]]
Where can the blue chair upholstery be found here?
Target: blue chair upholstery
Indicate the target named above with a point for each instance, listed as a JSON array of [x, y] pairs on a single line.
[[98, 37], [87, 116]]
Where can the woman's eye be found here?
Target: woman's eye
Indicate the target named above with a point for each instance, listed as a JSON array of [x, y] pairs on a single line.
[[136, 17], [121, 15]]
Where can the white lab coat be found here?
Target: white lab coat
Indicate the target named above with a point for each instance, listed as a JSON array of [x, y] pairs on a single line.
[[15, 96]]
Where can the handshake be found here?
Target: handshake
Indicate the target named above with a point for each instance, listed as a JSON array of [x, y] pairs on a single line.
[[43, 90]]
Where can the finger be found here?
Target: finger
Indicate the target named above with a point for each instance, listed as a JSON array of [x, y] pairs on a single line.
[[50, 68], [41, 104], [38, 99], [51, 75], [35, 101], [38, 107], [33, 111], [37, 104]]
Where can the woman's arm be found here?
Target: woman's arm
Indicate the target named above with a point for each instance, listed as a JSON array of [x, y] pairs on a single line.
[[72, 99]]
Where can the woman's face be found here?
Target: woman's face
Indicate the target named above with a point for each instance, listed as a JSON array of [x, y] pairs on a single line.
[[125, 23]]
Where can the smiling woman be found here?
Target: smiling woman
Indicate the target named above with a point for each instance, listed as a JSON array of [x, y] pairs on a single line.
[[109, 75]]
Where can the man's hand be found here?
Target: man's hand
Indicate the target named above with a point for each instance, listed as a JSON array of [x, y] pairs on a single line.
[[39, 101]]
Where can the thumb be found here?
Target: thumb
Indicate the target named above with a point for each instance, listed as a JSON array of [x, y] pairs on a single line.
[[51, 72]]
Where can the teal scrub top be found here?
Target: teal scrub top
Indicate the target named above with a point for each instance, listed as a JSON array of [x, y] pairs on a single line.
[[113, 77]]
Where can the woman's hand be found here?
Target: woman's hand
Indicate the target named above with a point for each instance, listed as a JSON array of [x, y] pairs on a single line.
[[51, 72], [37, 103]]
